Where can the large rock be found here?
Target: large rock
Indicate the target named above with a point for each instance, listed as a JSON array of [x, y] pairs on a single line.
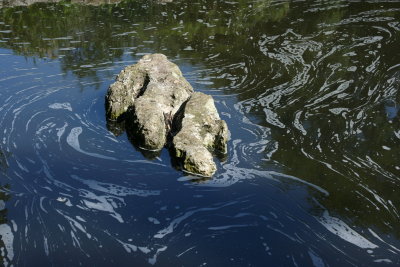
[[166, 91], [201, 133], [122, 94], [159, 103], [154, 89]]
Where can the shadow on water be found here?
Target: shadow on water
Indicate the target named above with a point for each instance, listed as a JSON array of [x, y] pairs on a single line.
[[116, 127]]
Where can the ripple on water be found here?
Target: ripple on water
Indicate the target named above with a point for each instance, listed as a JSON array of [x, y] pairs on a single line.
[[312, 102]]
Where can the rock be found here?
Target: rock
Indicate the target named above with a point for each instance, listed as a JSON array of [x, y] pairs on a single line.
[[154, 101], [166, 91], [149, 124], [201, 133], [151, 88], [127, 87]]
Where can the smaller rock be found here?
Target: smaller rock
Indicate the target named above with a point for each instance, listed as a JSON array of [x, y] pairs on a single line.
[[200, 133]]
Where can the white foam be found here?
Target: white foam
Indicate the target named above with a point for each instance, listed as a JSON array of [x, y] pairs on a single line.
[[60, 131], [8, 238], [273, 118], [103, 205], [100, 203], [225, 227], [116, 190], [145, 250], [180, 254], [75, 225], [342, 230], [46, 246], [66, 106], [170, 228], [316, 260], [153, 220], [380, 239], [301, 181], [73, 141], [383, 260], [153, 260], [338, 111]]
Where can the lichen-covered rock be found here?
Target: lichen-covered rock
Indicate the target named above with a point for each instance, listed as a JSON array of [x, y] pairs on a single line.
[[151, 88], [149, 124], [159, 103], [122, 94], [201, 133], [164, 94]]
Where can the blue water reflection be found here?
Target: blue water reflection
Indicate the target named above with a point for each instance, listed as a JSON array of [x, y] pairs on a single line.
[[308, 89]]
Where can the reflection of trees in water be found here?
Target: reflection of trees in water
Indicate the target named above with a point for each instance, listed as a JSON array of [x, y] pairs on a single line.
[[354, 155], [3, 160], [343, 153], [84, 37], [14, 3]]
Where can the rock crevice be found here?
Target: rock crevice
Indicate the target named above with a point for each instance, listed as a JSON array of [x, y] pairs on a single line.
[[161, 108]]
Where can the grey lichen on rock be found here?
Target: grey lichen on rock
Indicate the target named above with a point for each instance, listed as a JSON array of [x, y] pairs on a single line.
[[201, 134], [149, 124], [151, 88], [122, 94], [160, 103]]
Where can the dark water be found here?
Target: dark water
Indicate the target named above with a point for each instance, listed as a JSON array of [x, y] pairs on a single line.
[[309, 90]]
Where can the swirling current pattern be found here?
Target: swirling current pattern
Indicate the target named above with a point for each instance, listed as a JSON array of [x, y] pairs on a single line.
[[308, 89]]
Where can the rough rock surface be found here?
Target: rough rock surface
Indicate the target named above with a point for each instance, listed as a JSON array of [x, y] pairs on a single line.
[[159, 103], [201, 133], [154, 89], [122, 94]]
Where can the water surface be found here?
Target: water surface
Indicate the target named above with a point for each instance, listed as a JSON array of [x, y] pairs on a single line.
[[309, 90]]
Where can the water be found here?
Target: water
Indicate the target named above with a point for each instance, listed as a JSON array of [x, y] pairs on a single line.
[[309, 90]]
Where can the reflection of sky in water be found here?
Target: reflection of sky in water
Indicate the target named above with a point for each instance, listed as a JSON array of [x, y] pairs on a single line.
[[313, 167], [391, 109]]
